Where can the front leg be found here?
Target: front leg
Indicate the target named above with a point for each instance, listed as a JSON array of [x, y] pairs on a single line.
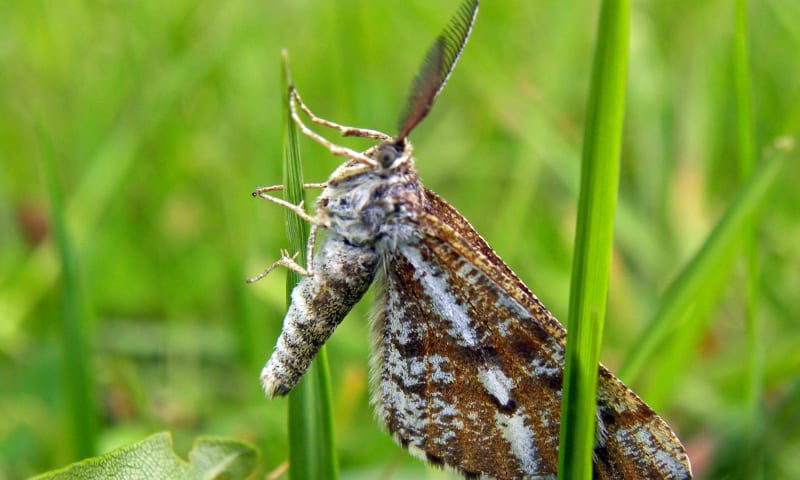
[[298, 209], [343, 129], [294, 99]]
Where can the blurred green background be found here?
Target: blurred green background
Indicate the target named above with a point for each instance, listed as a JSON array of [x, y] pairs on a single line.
[[161, 117]]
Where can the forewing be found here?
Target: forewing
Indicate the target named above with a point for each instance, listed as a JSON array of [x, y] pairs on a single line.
[[636, 442], [471, 363]]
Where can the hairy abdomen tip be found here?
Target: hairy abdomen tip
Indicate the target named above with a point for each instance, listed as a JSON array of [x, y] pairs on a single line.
[[272, 385]]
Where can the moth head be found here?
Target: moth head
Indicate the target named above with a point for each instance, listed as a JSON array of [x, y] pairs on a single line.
[[392, 154]]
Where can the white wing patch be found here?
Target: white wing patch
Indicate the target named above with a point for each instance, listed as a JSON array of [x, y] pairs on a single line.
[[520, 437], [497, 384], [443, 301]]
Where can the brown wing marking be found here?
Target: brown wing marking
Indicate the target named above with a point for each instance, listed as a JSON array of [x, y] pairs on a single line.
[[445, 389], [441, 221], [638, 443], [448, 399], [634, 442]]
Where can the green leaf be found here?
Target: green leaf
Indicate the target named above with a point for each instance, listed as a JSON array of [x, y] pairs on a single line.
[[153, 457], [594, 240]]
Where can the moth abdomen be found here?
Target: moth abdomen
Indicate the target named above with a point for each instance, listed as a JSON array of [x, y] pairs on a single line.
[[343, 272]]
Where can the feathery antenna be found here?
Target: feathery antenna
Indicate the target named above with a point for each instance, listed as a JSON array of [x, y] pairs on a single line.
[[437, 67]]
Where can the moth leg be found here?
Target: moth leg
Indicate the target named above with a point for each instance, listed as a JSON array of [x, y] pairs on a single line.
[[272, 188], [312, 237], [298, 209], [343, 129], [290, 261], [340, 151], [285, 261]]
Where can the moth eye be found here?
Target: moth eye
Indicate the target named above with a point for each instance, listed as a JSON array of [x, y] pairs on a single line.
[[387, 156]]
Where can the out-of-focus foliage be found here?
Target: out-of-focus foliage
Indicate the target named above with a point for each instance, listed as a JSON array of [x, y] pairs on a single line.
[[163, 116], [210, 458]]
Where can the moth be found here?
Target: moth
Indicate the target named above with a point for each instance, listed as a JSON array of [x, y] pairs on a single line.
[[466, 362]]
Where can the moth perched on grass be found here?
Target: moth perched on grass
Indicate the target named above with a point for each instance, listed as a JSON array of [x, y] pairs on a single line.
[[467, 362]]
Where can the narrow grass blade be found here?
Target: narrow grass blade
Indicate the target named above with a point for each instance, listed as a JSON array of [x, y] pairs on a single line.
[[76, 378], [744, 136], [312, 455], [676, 356], [753, 343], [694, 278], [593, 240]]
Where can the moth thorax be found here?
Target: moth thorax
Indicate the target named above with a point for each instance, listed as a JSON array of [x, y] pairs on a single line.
[[375, 204]]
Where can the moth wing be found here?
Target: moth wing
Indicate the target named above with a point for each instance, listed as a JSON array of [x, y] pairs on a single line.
[[469, 365]]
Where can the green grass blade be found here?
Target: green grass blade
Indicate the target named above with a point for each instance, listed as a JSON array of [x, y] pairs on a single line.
[[694, 278], [593, 240], [676, 355], [76, 379], [753, 331], [312, 455]]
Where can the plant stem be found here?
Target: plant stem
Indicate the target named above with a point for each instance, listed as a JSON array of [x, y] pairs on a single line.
[[594, 239]]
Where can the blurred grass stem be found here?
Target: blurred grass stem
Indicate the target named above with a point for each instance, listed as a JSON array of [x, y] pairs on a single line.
[[76, 379]]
